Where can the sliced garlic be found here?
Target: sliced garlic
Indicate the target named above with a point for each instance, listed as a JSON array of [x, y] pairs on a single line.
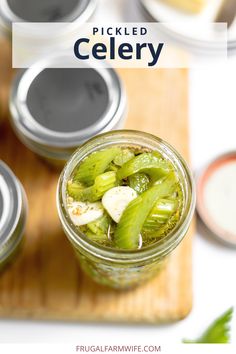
[[116, 200], [84, 213]]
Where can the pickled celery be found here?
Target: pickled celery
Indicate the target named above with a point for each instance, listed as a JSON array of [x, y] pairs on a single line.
[[94, 165], [102, 183], [124, 156], [139, 182], [152, 234], [151, 214], [160, 213], [147, 163], [74, 189], [100, 226], [99, 238], [129, 228]]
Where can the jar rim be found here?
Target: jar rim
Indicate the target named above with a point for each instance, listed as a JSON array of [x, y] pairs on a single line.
[[82, 13], [14, 218], [158, 249], [29, 128]]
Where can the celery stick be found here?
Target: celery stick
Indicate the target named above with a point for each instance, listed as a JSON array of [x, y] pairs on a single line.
[[124, 156], [100, 238], [139, 182], [100, 226], [74, 189], [133, 218], [102, 183], [160, 213], [147, 163], [94, 165]]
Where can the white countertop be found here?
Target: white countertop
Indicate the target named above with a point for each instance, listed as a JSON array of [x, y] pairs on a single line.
[[213, 130]]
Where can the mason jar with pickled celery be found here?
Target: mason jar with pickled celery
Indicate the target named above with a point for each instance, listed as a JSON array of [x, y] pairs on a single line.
[[125, 200]]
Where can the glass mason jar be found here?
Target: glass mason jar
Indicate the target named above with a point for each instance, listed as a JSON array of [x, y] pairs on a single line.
[[115, 267], [13, 215], [55, 110], [73, 11], [1, 110]]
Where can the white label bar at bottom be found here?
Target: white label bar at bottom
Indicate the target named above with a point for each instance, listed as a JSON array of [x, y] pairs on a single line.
[[38, 348]]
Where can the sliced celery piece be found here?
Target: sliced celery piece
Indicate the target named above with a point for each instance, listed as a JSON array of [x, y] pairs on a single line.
[[112, 167], [124, 156], [102, 183], [100, 226], [101, 238], [170, 186], [147, 163], [150, 233], [157, 154], [94, 165], [74, 189], [139, 182], [129, 228], [160, 213]]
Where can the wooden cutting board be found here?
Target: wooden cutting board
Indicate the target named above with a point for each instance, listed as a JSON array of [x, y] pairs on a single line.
[[45, 281]]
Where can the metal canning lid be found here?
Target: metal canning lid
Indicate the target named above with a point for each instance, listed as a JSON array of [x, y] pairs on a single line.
[[45, 11], [54, 110], [216, 197], [13, 210]]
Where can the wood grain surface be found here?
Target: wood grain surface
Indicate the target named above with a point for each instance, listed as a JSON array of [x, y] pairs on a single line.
[[45, 281]]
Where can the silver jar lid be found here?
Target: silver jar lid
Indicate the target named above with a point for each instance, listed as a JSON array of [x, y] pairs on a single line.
[[54, 110], [216, 195], [45, 11], [13, 210]]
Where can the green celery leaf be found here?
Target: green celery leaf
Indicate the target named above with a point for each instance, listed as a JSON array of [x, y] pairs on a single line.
[[217, 332]]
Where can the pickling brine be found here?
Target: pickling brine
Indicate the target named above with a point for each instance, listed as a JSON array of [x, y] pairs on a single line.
[[124, 198]]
